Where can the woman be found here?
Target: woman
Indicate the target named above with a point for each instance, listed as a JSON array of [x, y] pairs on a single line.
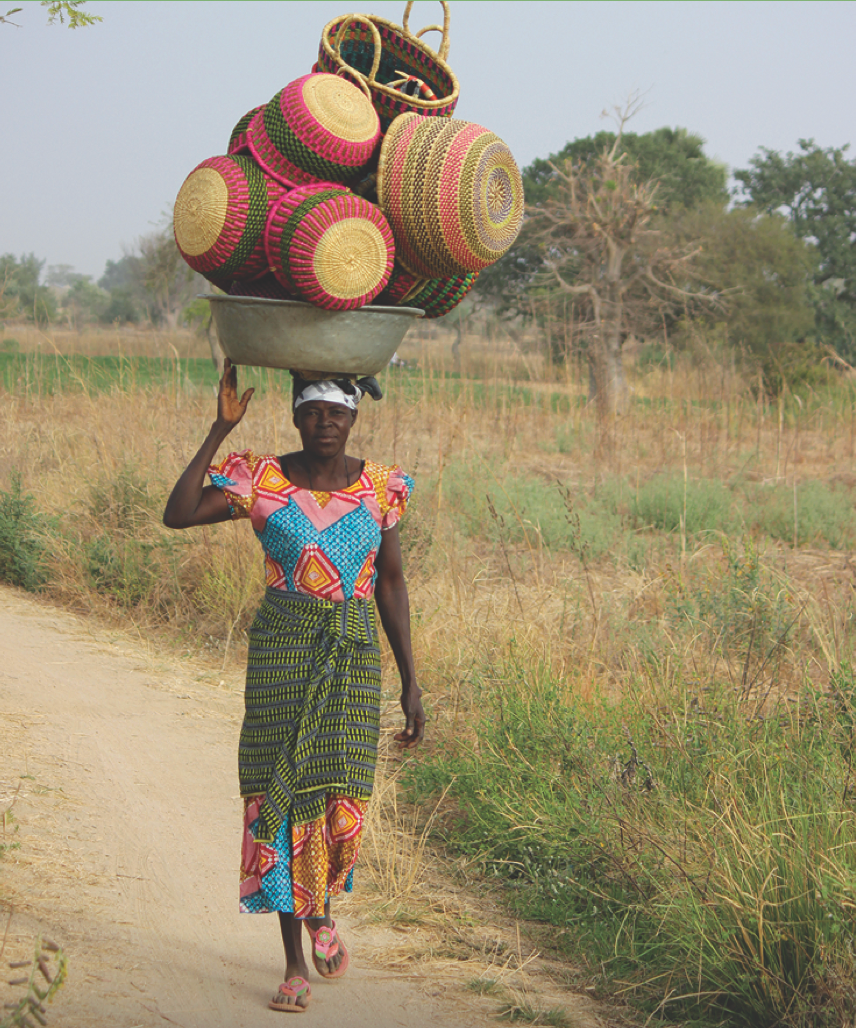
[[328, 524]]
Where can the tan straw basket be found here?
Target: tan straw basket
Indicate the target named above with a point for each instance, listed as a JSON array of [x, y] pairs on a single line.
[[390, 60]]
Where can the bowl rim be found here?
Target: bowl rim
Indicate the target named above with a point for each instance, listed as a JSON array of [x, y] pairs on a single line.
[[412, 312]]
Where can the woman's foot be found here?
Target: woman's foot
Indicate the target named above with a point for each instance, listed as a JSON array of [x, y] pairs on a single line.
[[328, 951], [293, 996]]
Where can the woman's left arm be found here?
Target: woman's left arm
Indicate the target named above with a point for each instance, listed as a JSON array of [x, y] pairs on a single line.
[[393, 605]]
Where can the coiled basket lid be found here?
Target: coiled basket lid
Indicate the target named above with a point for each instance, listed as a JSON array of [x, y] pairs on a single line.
[[452, 193]]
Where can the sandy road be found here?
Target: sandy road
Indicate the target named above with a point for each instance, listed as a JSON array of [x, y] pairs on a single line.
[[128, 824]]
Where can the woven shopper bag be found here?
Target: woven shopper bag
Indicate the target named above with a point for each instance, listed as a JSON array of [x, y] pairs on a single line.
[[329, 246], [238, 140], [441, 295], [220, 215], [319, 128], [452, 193], [400, 71]]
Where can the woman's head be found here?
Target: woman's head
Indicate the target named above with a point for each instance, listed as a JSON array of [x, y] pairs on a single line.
[[325, 410]]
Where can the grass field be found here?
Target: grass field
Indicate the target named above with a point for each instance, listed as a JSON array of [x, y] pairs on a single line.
[[635, 635]]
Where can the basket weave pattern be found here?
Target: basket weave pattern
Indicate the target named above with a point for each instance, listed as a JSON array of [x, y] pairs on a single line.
[[330, 247], [401, 54], [442, 295], [452, 193], [238, 140], [401, 286], [220, 215], [300, 142], [268, 287]]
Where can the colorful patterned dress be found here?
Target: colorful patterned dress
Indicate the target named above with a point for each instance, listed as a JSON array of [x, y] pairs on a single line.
[[312, 702]]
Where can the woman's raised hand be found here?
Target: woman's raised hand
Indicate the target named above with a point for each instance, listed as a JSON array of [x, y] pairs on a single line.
[[230, 409]]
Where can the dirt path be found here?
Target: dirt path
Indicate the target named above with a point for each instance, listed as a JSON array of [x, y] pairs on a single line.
[[127, 816]]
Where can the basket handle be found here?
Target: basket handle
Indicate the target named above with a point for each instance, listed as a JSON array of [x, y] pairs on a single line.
[[356, 78], [349, 19], [443, 52]]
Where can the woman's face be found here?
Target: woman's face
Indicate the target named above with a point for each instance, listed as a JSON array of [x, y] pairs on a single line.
[[324, 427]]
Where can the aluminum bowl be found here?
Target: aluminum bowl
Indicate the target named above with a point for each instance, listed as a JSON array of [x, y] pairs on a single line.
[[293, 334]]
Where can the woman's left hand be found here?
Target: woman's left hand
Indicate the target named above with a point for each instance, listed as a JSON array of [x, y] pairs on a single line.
[[414, 725]]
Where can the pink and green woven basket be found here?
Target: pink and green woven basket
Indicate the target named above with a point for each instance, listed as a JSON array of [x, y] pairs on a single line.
[[329, 247], [220, 215], [238, 142], [319, 128]]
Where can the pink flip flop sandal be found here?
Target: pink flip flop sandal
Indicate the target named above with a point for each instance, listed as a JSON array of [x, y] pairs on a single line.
[[294, 989], [326, 944]]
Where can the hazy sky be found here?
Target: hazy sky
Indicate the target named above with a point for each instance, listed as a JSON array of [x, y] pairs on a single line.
[[100, 126]]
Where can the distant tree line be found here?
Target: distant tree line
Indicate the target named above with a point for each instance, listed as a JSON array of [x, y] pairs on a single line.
[[637, 236], [149, 284]]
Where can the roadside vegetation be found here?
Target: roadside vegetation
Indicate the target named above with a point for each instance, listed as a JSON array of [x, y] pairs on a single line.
[[634, 634], [630, 556]]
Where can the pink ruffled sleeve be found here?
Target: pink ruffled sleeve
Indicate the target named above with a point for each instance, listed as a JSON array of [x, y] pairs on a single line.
[[234, 475], [399, 486]]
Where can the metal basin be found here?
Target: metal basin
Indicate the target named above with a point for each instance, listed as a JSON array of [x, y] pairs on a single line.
[[292, 334]]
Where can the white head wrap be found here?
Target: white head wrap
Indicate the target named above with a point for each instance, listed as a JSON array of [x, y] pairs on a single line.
[[330, 392]]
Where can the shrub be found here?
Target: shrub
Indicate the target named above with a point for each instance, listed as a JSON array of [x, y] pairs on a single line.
[[21, 538]]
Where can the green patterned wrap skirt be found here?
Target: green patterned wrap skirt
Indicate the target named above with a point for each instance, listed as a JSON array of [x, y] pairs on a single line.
[[311, 706]]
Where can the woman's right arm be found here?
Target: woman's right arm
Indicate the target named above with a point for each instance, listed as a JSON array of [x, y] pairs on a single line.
[[191, 502]]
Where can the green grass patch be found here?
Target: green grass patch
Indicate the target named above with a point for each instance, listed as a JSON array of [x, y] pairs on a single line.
[[699, 856], [44, 374]]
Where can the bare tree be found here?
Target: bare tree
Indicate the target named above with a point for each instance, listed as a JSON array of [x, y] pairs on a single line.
[[166, 282], [601, 248]]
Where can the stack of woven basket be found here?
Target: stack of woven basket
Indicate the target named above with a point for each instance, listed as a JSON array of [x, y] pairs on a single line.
[[354, 184]]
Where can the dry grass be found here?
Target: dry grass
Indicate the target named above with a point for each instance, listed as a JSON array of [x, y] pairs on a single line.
[[102, 463], [100, 466]]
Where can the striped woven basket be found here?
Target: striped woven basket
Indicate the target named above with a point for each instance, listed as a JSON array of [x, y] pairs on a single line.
[[238, 140], [441, 295], [329, 247], [320, 128], [452, 193], [402, 285], [220, 216], [400, 71]]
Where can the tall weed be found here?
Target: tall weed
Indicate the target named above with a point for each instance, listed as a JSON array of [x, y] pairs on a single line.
[[695, 853], [21, 537]]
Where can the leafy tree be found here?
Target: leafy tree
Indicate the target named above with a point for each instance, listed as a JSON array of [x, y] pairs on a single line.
[[122, 306], [122, 280], [22, 294], [152, 281], [60, 275], [121, 273], [816, 189], [674, 159], [166, 281], [757, 262], [85, 301]]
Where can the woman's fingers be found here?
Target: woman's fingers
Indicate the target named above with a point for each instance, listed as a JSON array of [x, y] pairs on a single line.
[[245, 399]]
